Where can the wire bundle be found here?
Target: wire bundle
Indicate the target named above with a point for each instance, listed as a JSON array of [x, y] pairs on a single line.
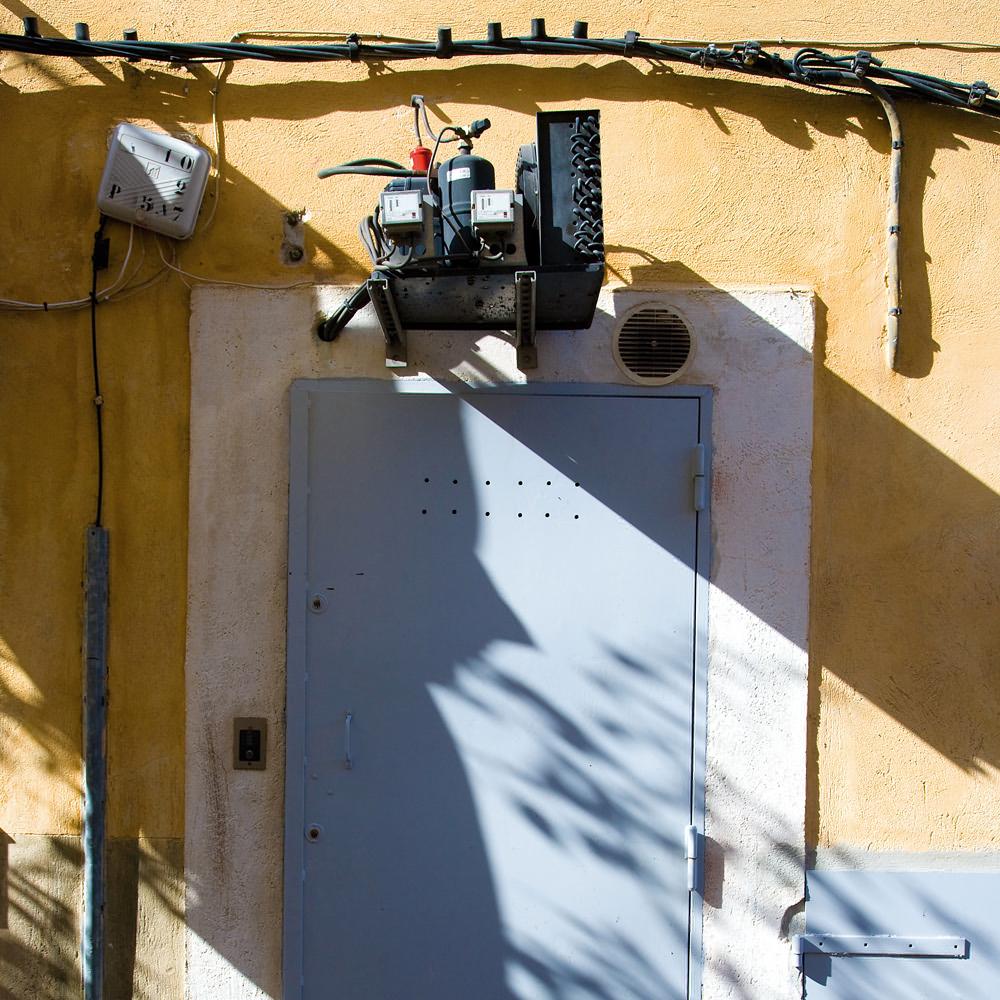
[[809, 66]]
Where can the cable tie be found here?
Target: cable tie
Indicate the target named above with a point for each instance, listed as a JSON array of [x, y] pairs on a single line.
[[580, 29], [45, 307], [494, 33], [751, 53], [631, 37], [538, 29], [898, 144], [895, 311], [978, 93], [709, 56], [443, 48], [863, 62], [354, 46], [894, 230]]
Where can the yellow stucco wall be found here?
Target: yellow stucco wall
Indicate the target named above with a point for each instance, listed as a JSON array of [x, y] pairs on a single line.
[[708, 178]]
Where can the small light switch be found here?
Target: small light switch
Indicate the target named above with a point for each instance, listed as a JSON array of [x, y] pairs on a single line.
[[250, 744]]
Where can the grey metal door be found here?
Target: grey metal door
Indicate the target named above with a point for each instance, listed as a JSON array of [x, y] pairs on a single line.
[[492, 683]]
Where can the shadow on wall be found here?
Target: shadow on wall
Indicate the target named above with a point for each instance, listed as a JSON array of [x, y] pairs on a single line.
[[887, 634], [523, 712], [564, 804], [790, 114]]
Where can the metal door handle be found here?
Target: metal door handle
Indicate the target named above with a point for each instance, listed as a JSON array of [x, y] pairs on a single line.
[[348, 762]]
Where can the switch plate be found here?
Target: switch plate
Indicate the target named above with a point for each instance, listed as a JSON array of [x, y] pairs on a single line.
[[249, 744]]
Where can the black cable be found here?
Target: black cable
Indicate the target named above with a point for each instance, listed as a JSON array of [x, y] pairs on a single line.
[[98, 261], [809, 67], [369, 171]]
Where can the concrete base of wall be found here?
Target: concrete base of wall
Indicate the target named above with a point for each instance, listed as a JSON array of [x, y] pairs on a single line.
[[40, 939], [40, 910]]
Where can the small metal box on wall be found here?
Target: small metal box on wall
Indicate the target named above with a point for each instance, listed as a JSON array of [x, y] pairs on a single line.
[[249, 744]]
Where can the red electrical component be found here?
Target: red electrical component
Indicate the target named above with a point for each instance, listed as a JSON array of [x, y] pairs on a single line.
[[420, 159]]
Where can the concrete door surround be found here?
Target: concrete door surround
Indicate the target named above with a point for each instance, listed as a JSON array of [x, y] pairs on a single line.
[[753, 347]]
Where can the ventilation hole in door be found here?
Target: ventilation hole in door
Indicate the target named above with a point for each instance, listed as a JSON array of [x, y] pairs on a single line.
[[653, 345]]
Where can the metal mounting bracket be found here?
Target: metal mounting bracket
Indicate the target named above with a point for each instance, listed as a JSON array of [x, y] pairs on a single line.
[[695, 859], [886, 945], [388, 318], [524, 312]]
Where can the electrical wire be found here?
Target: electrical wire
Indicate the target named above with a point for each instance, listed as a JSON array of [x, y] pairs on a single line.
[[892, 281], [222, 281], [104, 295], [847, 43], [369, 171], [421, 108], [742, 57]]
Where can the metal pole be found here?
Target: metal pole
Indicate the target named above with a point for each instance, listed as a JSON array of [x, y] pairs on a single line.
[[95, 666]]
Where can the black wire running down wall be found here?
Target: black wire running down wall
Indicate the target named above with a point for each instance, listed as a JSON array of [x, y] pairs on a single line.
[[809, 66]]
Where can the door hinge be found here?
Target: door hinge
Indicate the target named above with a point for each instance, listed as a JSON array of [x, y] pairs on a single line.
[[699, 477], [887, 945], [695, 860]]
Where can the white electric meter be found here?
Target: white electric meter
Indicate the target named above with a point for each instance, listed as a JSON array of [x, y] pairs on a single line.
[[401, 212], [493, 210], [154, 180]]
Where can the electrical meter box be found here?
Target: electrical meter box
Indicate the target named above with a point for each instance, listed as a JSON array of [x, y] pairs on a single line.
[[493, 211], [401, 212], [154, 180]]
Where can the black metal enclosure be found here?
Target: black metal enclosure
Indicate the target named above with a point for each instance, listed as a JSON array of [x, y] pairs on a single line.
[[545, 273]]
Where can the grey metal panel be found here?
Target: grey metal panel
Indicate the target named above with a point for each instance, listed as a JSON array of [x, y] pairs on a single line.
[[918, 904], [521, 691], [95, 762]]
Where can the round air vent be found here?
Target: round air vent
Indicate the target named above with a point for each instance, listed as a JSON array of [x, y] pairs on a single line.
[[652, 345]]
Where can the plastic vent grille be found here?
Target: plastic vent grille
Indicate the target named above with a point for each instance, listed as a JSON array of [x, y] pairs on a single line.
[[653, 345]]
